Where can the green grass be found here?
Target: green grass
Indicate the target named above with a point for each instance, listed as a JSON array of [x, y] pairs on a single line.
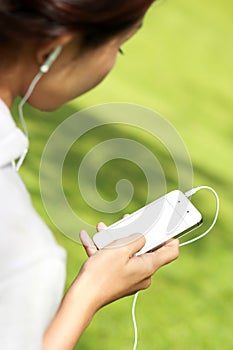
[[180, 64]]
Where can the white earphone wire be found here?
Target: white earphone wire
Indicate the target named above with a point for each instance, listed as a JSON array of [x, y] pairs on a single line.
[[188, 194], [43, 69], [21, 115], [134, 321]]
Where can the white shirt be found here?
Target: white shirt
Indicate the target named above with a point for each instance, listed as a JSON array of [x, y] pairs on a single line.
[[32, 265]]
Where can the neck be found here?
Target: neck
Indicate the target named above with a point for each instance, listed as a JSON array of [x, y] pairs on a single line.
[[6, 97], [11, 83]]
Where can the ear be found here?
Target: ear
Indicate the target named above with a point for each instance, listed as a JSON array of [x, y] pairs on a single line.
[[44, 50]]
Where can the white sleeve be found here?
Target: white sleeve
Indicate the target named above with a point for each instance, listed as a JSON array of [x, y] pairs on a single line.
[[25, 303], [32, 268]]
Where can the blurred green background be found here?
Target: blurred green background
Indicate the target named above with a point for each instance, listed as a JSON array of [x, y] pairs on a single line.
[[181, 65]]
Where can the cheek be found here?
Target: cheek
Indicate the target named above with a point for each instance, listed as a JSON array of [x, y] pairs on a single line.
[[53, 91], [98, 73], [105, 67]]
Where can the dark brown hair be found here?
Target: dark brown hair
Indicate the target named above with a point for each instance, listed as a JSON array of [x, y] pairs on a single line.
[[44, 20]]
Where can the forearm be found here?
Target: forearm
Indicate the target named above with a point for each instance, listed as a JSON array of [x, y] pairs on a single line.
[[72, 318]]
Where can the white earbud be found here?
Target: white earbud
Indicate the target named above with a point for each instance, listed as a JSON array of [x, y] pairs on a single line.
[[51, 58]]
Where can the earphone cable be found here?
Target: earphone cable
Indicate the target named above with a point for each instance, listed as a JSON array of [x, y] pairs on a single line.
[[21, 115], [134, 321], [188, 194]]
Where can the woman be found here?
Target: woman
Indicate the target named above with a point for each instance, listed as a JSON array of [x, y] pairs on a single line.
[[89, 34]]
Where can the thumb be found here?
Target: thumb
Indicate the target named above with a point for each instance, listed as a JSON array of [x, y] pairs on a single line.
[[133, 243]]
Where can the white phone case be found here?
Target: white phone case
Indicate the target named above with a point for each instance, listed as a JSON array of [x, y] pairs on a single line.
[[166, 217]]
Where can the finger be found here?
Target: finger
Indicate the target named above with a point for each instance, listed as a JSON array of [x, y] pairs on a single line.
[[169, 252], [101, 226], [133, 243], [144, 284], [164, 255], [87, 243], [171, 243]]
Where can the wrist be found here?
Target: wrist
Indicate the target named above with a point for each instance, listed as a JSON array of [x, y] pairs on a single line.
[[83, 295], [75, 313]]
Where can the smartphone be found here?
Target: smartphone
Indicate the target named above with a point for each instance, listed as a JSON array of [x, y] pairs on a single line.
[[170, 216]]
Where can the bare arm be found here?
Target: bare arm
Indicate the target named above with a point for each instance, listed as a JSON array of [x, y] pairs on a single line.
[[107, 275]]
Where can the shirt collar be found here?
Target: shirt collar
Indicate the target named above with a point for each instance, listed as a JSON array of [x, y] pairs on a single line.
[[13, 142]]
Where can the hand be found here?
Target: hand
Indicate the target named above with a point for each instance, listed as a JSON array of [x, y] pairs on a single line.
[[115, 271]]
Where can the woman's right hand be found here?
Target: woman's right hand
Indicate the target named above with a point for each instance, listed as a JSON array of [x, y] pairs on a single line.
[[115, 271], [107, 275]]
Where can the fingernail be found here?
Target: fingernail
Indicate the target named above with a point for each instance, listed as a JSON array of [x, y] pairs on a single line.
[[101, 226]]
